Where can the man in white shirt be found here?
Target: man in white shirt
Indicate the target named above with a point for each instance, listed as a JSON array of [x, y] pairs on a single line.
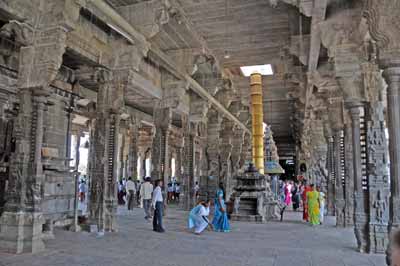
[[157, 203], [146, 190], [131, 189]]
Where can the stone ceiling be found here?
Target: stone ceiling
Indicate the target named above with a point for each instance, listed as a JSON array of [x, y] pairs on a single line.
[[119, 3], [252, 32]]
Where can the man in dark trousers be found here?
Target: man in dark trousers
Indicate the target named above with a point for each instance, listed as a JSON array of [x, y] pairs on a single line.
[[158, 205]]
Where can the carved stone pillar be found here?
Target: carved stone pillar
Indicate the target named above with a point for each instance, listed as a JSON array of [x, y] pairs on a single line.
[[382, 18], [103, 189], [213, 139], [378, 179], [331, 191], [339, 188], [348, 174], [21, 222], [160, 147], [188, 163], [133, 153], [392, 77], [361, 221], [225, 148]]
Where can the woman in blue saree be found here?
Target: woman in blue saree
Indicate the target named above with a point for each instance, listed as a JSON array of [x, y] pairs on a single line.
[[220, 221]]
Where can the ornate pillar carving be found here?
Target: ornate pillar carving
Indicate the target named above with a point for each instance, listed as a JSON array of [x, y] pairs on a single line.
[[361, 217], [40, 61], [382, 19], [392, 77], [349, 172], [339, 188], [103, 200], [160, 147], [225, 147], [188, 163], [213, 136]]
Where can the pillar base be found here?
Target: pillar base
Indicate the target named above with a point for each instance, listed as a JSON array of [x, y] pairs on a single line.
[[21, 232]]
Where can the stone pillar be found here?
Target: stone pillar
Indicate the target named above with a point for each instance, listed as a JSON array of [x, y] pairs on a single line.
[[382, 20], [392, 77], [214, 126], [349, 174], [225, 148], [21, 222], [378, 179], [160, 147], [330, 197], [340, 202], [133, 155], [361, 227], [103, 189], [188, 163], [391, 74]]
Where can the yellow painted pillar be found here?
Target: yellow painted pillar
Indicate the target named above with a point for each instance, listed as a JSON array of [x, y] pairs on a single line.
[[257, 115]]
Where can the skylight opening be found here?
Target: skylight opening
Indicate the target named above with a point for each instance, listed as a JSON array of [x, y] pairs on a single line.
[[265, 70]]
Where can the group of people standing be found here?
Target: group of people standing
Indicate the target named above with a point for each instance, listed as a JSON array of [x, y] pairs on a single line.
[[151, 197], [310, 197], [313, 204], [174, 191]]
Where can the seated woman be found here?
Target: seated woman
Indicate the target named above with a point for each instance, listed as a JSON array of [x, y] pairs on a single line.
[[198, 217], [220, 221]]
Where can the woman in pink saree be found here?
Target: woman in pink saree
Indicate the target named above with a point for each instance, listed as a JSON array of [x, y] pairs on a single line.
[[288, 193]]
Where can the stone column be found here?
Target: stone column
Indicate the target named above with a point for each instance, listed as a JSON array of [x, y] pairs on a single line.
[[21, 222], [178, 164], [340, 202], [361, 228], [378, 179], [103, 189], [348, 174], [225, 148], [160, 147], [188, 163], [214, 126], [133, 155], [331, 191], [392, 76]]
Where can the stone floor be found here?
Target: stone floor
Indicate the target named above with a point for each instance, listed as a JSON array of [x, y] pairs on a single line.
[[274, 244]]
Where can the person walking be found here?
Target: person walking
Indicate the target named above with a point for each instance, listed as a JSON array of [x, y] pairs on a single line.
[[304, 191], [158, 204], [313, 205], [288, 193], [146, 190], [131, 190]]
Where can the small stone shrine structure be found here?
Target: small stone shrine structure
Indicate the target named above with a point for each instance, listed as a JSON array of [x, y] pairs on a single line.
[[254, 201]]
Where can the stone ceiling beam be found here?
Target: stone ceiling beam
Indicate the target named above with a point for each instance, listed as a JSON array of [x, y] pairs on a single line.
[[119, 21], [318, 15]]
